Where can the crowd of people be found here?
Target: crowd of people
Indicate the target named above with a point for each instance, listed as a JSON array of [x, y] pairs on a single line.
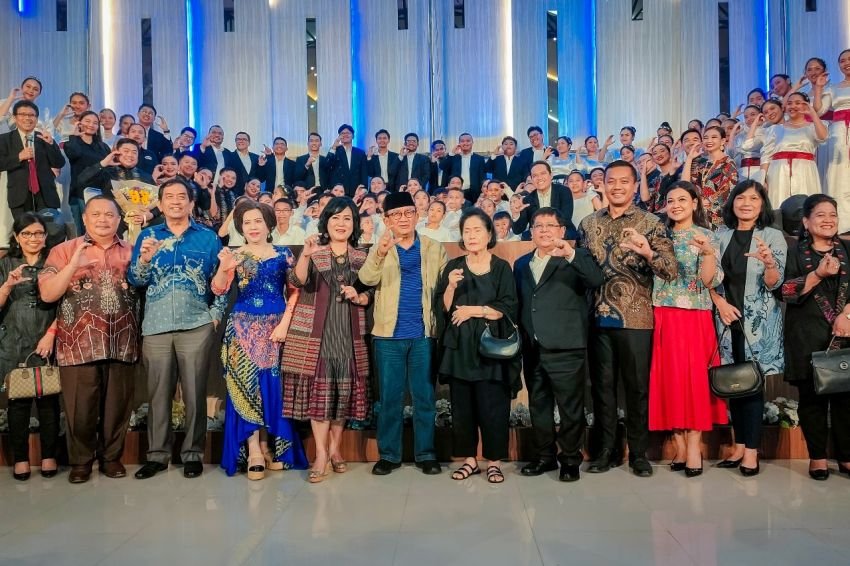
[[649, 266]]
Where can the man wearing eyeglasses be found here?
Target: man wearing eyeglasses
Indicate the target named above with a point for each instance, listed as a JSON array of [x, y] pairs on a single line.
[[404, 267], [28, 157], [544, 193], [552, 284], [245, 163]]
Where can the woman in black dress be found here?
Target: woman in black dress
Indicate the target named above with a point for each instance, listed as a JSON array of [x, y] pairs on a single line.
[[816, 290], [83, 149], [477, 290], [28, 325]]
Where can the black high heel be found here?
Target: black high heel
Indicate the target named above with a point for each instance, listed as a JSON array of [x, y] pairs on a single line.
[[694, 472], [677, 466], [819, 475], [750, 472], [729, 464]]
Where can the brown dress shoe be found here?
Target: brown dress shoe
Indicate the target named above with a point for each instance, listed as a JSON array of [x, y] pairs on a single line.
[[114, 469], [80, 474]]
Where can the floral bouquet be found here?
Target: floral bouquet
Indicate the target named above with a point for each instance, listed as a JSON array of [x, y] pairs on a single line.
[[134, 197], [783, 412]]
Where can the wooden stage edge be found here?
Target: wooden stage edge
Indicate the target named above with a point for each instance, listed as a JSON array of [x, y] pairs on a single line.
[[361, 445]]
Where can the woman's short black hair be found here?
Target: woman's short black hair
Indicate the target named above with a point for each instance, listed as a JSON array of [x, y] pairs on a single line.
[[247, 205], [22, 222], [765, 217], [486, 220], [757, 90], [690, 131], [811, 203], [334, 207]]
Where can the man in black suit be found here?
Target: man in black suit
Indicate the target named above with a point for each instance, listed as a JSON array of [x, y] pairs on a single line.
[[438, 178], [508, 167], [28, 158], [545, 194], [536, 152], [466, 165], [245, 163], [381, 162], [349, 165], [147, 158], [159, 143], [276, 169], [412, 165], [552, 283], [314, 169], [211, 153]]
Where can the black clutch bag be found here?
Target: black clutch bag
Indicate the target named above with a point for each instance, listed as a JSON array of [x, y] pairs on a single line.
[[739, 379], [831, 370], [500, 348]]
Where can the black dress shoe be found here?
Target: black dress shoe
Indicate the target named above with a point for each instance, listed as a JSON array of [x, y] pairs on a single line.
[[641, 467], [429, 467], [21, 477], [677, 466], [728, 464], [149, 470], [538, 468], [749, 472], [194, 469], [49, 473], [385, 467], [569, 473], [819, 475], [601, 464]]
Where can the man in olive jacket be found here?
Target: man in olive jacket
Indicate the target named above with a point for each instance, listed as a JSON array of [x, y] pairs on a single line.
[[404, 268]]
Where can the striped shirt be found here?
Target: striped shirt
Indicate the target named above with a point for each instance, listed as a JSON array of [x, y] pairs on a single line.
[[410, 323]]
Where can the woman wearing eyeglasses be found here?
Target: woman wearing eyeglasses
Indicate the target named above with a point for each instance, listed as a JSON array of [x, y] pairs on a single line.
[[28, 325], [325, 358]]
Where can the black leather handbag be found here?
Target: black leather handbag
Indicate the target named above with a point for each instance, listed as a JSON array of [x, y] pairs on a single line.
[[499, 348], [735, 380], [831, 370]]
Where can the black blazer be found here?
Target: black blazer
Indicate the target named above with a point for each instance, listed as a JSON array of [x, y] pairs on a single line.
[[268, 172], [349, 176], [421, 169], [527, 157], [562, 200], [231, 159], [147, 161], [102, 177], [305, 175], [373, 166], [159, 144], [434, 181], [47, 157], [498, 168], [206, 157], [477, 173], [555, 310]]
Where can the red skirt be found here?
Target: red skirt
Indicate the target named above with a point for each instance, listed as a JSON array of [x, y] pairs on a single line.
[[682, 345]]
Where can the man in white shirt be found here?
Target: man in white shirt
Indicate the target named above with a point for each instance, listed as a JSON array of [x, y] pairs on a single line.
[[286, 233], [467, 165], [383, 163], [454, 209], [534, 153], [246, 163], [277, 170], [211, 152]]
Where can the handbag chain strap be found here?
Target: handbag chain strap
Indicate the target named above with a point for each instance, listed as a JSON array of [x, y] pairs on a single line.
[[726, 329]]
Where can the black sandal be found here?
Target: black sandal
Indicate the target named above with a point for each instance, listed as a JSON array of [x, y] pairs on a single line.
[[495, 475], [465, 471]]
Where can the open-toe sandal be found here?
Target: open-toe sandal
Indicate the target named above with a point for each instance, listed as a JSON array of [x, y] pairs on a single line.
[[495, 475], [465, 471]]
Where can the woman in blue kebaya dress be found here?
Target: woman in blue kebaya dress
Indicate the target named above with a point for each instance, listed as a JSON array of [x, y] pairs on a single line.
[[256, 435]]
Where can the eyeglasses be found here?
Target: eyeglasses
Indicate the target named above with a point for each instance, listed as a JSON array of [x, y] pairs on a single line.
[[545, 226], [396, 214], [32, 235], [241, 139], [26, 115]]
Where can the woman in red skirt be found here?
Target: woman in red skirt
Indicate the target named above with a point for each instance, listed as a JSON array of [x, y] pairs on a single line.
[[684, 343]]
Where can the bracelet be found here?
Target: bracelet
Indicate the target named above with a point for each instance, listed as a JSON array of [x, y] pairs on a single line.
[[51, 330]]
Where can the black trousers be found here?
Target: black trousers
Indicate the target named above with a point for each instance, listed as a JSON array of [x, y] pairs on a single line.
[[19, 426], [815, 411], [556, 377], [621, 355], [747, 412], [484, 405], [33, 203]]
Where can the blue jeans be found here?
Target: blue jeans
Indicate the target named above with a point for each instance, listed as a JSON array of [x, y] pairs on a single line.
[[405, 365]]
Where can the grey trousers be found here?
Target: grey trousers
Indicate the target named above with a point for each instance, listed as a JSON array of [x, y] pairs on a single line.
[[191, 350]]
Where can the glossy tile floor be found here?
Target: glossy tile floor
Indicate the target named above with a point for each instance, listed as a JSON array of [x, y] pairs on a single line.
[[779, 517]]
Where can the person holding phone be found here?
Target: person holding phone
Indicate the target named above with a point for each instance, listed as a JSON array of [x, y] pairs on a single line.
[[404, 268]]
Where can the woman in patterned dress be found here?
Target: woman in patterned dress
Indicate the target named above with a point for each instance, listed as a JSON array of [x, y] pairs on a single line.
[[325, 358], [713, 177], [256, 435]]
